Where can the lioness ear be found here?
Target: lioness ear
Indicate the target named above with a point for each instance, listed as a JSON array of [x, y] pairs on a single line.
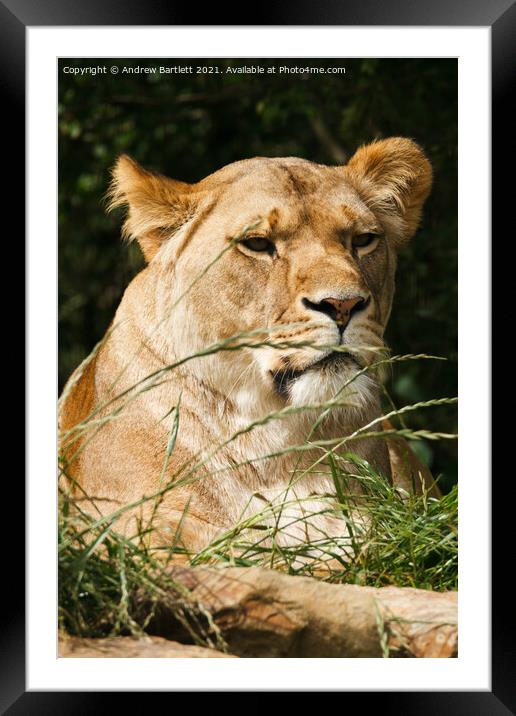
[[394, 177], [157, 206]]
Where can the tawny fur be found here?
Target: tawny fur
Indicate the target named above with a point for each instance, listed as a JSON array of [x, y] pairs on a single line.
[[198, 289]]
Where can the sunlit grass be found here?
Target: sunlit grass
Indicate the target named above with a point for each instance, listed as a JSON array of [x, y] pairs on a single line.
[[389, 536]]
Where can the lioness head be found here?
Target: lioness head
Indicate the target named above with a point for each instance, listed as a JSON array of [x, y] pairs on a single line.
[[303, 250]]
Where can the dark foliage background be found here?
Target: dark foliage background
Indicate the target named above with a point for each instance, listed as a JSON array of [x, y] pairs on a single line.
[[189, 125]]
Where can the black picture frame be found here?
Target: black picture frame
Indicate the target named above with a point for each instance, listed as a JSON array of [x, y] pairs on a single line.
[[500, 16]]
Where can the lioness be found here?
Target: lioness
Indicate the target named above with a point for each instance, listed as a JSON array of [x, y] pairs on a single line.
[[265, 268]]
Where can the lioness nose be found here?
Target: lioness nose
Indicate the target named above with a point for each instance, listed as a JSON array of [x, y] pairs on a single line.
[[339, 309]]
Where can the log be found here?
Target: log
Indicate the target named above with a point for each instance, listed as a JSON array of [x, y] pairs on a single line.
[[264, 613], [128, 647]]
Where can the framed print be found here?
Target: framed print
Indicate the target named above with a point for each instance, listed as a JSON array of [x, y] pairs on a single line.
[[272, 491]]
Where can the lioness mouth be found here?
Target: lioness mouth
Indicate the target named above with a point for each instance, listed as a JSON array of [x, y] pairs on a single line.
[[283, 379]]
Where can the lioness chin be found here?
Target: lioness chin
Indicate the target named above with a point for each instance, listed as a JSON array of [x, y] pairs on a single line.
[[267, 290]]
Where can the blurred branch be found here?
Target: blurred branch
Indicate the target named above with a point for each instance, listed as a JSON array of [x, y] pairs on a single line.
[[328, 141]]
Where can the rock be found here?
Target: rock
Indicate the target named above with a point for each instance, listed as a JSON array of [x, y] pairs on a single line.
[[128, 647]]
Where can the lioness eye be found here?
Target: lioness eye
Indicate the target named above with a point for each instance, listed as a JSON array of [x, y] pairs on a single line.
[[363, 240], [259, 244]]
